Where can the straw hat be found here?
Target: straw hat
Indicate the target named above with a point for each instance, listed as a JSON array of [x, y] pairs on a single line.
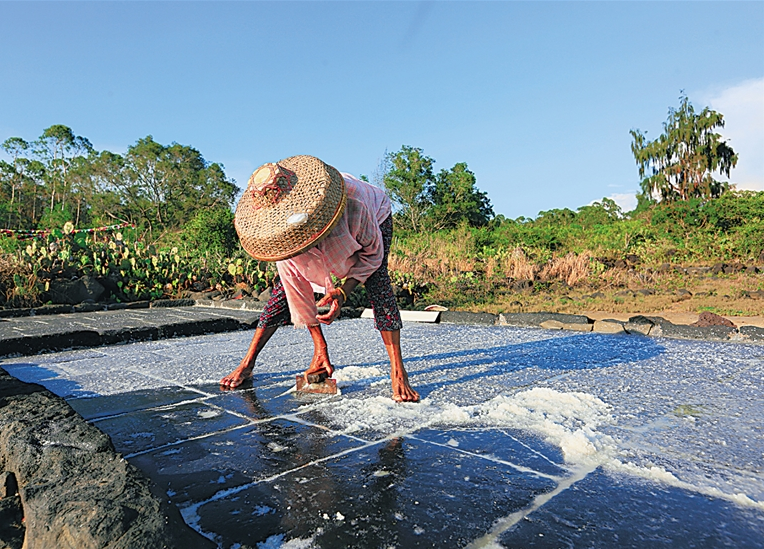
[[289, 207]]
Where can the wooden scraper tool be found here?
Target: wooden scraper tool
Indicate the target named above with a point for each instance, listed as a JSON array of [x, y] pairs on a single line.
[[319, 383]]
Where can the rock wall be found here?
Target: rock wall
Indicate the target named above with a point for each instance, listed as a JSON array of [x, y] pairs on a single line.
[[70, 485]]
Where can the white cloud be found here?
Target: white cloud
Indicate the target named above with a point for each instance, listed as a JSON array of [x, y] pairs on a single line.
[[743, 109], [627, 201]]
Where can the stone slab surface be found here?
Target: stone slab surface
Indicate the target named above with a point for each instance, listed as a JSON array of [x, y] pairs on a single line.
[[465, 317], [536, 319], [524, 437], [33, 334], [409, 316]]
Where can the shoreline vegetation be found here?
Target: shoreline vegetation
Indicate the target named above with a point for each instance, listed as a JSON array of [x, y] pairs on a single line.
[[157, 222], [691, 257], [703, 256]]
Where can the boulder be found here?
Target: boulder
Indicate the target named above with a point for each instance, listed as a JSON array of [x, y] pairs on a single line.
[[557, 325], [551, 325], [753, 333], [608, 326], [75, 491], [265, 295], [522, 286], [707, 333], [707, 318], [71, 292], [683, 294], [641, 325]]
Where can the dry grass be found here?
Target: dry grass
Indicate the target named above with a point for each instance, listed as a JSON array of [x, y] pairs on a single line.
[[435, 257], [725, 295], [10, 294], [517, 266], [443, 262], [571, 268]]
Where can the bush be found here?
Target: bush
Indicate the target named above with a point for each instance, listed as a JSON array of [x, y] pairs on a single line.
[[212, 231], [129, 268]]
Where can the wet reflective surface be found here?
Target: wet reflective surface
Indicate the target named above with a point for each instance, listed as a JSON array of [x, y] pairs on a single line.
[[524, 437]]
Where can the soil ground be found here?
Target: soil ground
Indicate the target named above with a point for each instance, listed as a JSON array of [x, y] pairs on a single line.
[[677, 298]]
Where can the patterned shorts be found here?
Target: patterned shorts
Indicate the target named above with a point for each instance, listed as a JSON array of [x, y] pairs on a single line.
[[379, 288]]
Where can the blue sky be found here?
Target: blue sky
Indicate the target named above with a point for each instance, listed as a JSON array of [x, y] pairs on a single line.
[[537, 97]]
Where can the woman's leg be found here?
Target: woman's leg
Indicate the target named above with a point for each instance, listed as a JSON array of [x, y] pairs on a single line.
[[274, 315], [402, 389], [387, 319]]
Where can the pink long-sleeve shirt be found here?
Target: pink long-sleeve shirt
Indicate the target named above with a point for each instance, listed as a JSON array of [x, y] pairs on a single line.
[[353, 249]]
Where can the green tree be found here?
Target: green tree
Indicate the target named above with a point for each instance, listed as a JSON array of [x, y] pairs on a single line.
[[605, 212], [112, 198], [20, 183], [167, 185], [679, 164], [456, 199], [56, 148], [555, 217], [212, 230], [409, 182], [12, 176]]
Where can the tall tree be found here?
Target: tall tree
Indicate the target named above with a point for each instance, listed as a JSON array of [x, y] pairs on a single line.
[[456, 199], [56, 148], [409, 182], [20, 184], [166, 185], [679, 164], [12, 174]]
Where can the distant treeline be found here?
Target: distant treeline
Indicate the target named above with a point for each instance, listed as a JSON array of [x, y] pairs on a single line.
[[60, 177], [449, 245]]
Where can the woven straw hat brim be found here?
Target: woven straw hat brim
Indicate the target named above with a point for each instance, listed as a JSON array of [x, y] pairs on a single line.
[[319, 193]]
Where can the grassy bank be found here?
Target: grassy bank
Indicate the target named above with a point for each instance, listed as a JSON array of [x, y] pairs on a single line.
[[688, 256], [691, 256]]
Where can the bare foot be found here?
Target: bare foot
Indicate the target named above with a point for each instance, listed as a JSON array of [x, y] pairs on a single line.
[[247, 364], [402, 390], [238, 376]]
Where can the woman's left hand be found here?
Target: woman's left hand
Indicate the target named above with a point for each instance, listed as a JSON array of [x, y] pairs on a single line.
[[337, 300]]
